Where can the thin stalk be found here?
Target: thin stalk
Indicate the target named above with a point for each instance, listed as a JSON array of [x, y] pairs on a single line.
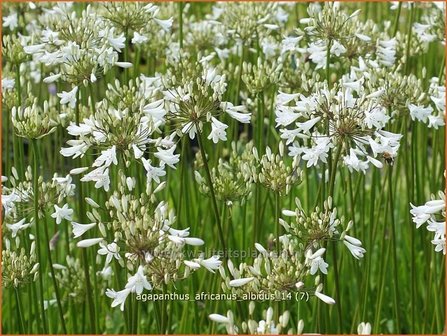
[[53, 277], [36, 225], [333, 173], [278, 226], [213, 196], [408, 46], [180, 24], [85, 261], [396, 19], [19, 311], [47, 242]]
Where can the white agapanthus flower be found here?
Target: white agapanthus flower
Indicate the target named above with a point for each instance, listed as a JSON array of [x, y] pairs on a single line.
[[432, 213]]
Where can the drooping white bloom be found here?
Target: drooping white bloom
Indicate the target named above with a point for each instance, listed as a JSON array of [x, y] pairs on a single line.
[[240, 282], [110, 251], [119, 298], [100, 176], [165, 24], [237, 112], [167, 156], [8, 83], [433, 214], [364, 328], [217, 130], [69, 97], [325, 298], [355, 246], [420, 113], [138, 282], [219, 318], [89, 242], [337, 48], [11, 21], [62, 213], [386, 52], [139, 39], [106, 158], [211, 264], [80, 229], [16, 227], [317, 262], [152, 172]]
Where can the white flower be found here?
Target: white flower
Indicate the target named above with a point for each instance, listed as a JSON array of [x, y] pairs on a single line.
[[62, 213], [237, 112], [119, 298], [419, 112], [165, 24], [139, 39], [89, 242], [337, 48], [8, 84], [11, 21], [138, 282], [156, 110], [110, 251], [386, 52], [51, 78], [211, 264], [123, 65], [317, 262], [355, 246], [16, 227], [191, 264], [80, 229], [100, 176], [217, 130], [153, 173], [325, 298], [364, 328], [167, 156], [69, 97], [219, 318], [106, 158], [240, 282]]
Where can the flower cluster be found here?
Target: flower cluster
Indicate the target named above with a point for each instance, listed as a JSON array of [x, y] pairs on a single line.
[[432, 213], [266, 326]]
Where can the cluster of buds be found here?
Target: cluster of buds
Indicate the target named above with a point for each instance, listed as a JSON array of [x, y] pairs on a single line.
[[34, 122], [232, 178], [432, 213], [194, 92], [258, 19], [19, 267], [137, 232], [262, 75], [274, 173], [71, 277], [267, 326], [17, 200]]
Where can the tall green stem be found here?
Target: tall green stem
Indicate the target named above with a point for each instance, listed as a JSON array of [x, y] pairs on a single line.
[[47, 242], [213, 196], [85, 261], [36, 225]]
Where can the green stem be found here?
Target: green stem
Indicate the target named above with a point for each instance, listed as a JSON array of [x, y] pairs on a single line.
[[85, 260], [47, 242], [213, 196], [278, 226], [396, 19], [36, 225], [180, 23], [19, 311], [408, 46]]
